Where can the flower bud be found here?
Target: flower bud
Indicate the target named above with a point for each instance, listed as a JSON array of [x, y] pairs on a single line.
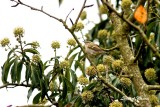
[[101, 68], [125, 81], [150, 74], [116, 104], [107, 59], [35, 44], [83, 15], [19, 31], [55, 45], [36, 58], [103, 9], [87, 96], [64, 64], [153, 99], [152, 91], [83, 80], [102, 34], [117, 64], [91, 71], [79, 26], [126, 4], [4, 42], [71, 42]]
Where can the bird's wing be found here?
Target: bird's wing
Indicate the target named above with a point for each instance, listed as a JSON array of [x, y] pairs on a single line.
[[95, 47]]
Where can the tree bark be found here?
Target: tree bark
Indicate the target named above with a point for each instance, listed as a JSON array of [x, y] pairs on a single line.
[[121, 32]]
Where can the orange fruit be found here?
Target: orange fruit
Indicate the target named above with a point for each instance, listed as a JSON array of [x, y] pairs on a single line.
[[140, 14]]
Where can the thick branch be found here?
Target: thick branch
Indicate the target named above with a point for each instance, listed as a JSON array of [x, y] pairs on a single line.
[[121, 32], [153, 87]]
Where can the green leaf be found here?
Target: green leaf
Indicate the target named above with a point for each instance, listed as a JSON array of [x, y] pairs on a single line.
[[29, 44], [78, 102], [10, 52], [72, 50], [47, 78], [31, 50], [81, 67], [30, 92], [40, 69], [90, 86], [74, 78], [28, 72], [56, 68], [19, 70], [67, 74], [148, 57], [26, 57], [64, 90], [70, 86], [14, 70], [71, 59], [36, 98], [45, 66], [60, 2], [53, 95], [150, 27], [116, 81], [35, 78], [5, 69], [43, 89]]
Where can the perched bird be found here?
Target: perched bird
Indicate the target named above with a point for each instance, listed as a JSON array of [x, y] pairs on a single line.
[[93, 49]]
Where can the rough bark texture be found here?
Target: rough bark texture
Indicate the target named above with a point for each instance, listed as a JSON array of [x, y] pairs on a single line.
[[121, 32]]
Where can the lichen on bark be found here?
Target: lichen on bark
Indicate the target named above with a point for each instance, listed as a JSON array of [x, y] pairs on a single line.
[[121, 32]]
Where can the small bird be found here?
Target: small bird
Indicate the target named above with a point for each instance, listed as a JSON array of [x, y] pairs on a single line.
[[93, 49]]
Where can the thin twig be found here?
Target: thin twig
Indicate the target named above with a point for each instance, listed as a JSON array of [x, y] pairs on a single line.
[[83, 6], [111, 49], [139, 51], [68, 14], [88, 6], [40, 10]]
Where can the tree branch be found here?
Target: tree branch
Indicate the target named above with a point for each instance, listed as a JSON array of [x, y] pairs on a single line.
[[110, 49], [132, 100], [80, 12], [153, 87], [36, 9], [14, 84], [139, 52]]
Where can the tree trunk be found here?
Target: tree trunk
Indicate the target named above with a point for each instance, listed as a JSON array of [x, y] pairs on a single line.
[[121, 32]]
